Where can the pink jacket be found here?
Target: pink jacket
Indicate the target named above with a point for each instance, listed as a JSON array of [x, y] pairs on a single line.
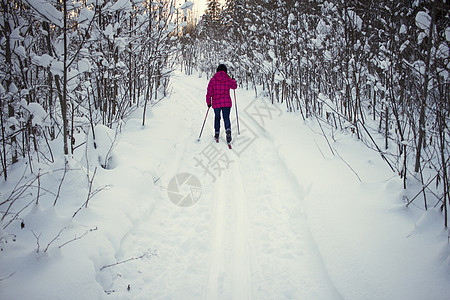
[[218, 93]]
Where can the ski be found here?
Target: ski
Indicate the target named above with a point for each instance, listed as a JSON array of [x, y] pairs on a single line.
[[229, 144]]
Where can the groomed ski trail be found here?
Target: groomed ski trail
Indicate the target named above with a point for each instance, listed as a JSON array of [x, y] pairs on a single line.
[[260, 248], [229, 276], [246, 238]]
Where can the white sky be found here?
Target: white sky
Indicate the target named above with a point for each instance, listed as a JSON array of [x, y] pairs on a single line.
[[199, 6]]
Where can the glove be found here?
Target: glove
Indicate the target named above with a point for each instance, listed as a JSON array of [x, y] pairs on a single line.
[[209, 105]]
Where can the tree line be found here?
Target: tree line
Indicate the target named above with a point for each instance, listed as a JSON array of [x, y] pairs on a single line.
[[360, 66], [69, 70], [67, 66]]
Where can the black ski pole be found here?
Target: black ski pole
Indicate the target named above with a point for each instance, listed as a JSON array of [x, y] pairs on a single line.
[[237, 117], [203, 125]]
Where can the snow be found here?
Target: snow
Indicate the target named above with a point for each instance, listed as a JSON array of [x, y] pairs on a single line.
[[57, 68], [13, 88], [328, 104], [423, 20], [187, 5], [121, 5], [291, 18], [100, 148], [420, 37], [84, 65], [45, 60], [11, 121], [15, 35], [85, 16], [443, 51], [403, 29], [278, 217], [37, 112], [403, 46], [109, 32], [317, 43], [355, 20], [20, 51], [419, 66], [47, 11]]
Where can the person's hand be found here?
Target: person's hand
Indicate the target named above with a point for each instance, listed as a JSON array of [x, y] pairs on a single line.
[[209, 105]]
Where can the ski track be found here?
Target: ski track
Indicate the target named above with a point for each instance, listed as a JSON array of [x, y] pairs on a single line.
[[247, 237], [229, 272], [229, 255], [241, 271], [217, 258]]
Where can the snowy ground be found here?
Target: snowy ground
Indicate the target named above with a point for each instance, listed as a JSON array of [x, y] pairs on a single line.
[[277, 217]]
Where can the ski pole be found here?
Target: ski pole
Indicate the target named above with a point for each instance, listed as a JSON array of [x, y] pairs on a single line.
[[237, 117], [203, 124]]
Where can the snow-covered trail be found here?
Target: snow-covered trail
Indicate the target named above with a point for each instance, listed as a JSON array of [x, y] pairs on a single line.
[[261, 246], [246, 238], [275, 218], [283, 215]]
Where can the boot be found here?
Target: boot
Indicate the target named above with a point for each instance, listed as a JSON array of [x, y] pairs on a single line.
[[228, 136]]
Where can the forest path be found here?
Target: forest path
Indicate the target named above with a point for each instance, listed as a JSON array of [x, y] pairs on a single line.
[[246, 235]]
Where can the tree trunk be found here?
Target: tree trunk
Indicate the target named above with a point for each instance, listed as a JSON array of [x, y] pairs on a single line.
[[63, 99], [422, 120]]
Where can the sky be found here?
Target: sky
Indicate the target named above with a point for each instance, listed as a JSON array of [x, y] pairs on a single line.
[[199, 6]]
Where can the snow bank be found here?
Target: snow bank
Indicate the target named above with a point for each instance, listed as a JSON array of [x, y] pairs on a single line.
[[372, 245], [100, 145]]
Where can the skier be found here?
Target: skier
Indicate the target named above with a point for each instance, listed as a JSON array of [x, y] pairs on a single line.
[[218, 96]]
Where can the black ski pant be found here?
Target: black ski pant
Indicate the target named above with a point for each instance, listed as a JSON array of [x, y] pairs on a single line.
[[226, 118]]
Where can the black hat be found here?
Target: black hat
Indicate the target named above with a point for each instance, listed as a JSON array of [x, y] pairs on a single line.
[[222, 67]]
